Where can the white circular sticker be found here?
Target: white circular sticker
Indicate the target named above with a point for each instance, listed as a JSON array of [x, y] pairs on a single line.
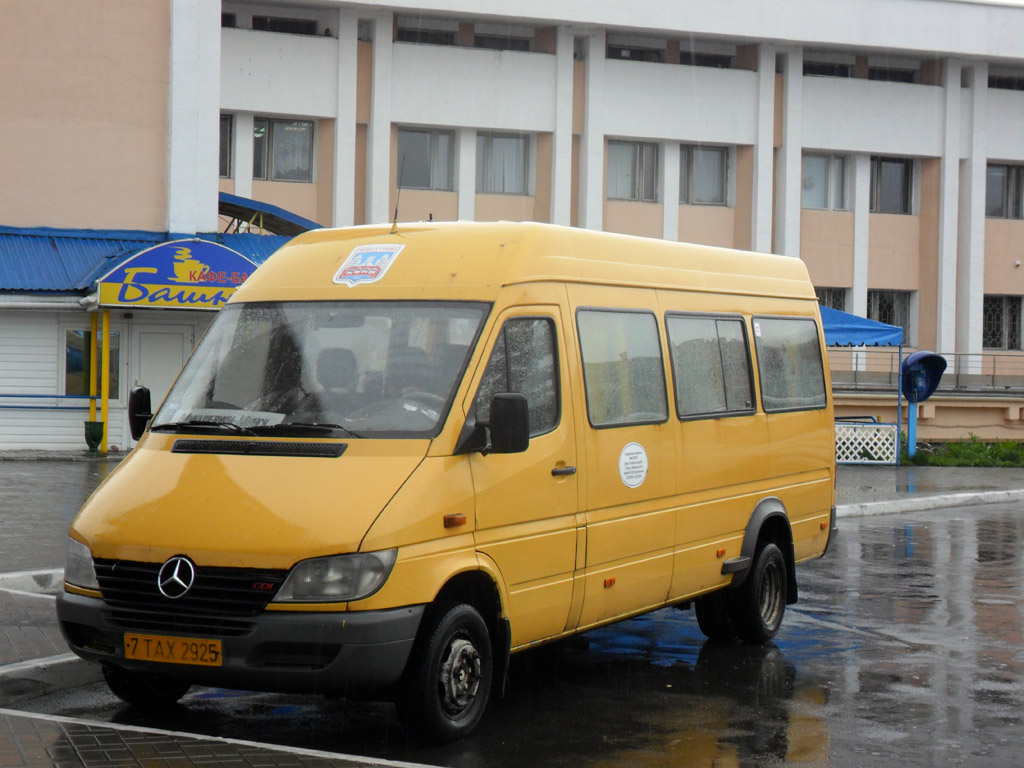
[[633, 465]]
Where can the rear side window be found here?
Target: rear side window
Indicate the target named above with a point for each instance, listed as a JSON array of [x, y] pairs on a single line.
[[523, 360], [623, 372], [711, 365], [789, 363]]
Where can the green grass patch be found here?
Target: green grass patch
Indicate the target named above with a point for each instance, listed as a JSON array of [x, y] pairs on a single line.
[[965, 453]]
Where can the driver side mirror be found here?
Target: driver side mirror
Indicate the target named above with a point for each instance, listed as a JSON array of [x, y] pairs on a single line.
[[510, 423], [140, 411]]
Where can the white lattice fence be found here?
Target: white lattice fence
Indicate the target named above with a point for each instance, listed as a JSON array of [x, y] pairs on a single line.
[[866, 443]]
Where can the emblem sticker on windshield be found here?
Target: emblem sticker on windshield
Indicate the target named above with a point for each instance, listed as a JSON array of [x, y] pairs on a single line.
[[367, 264]]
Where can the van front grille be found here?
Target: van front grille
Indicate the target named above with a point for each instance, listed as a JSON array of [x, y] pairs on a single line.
[[217, 593]]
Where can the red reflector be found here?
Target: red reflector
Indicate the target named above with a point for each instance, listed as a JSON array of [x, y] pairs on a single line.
[[454, 521], [610, 582], [721, 553], [824, 526]]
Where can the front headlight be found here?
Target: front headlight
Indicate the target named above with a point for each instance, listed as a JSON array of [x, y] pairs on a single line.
[[337, 579], [78, 568]]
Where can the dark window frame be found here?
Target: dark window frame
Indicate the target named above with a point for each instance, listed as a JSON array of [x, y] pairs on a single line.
[[726, 414], [1012, 190], [265, 148], [760, 373], [907, 194], [227, 146], [640, 149]]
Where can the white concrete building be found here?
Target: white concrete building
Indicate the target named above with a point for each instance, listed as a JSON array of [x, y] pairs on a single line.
[[881, 141]]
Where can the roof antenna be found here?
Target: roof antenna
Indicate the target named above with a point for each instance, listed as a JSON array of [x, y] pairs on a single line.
[[398, 196]]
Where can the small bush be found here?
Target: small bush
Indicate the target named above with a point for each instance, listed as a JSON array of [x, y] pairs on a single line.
[[971, 452]]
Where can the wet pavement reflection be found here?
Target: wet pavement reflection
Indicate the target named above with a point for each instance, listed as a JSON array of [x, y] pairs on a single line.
[[906, 646]]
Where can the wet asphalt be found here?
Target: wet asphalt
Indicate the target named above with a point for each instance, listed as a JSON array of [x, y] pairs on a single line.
[[907, 646]]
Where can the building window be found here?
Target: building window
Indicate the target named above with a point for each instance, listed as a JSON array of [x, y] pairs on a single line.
[[632, 171], [892, 307], [1001, 322], [425, 159], [76, 362], [827, 69], [503, 37], [789, 364], [710, 366], [891, 184], [623, 373], [282, 149], [833, 298], [416, 29], [893, 74], [502, 163], [524, 360], [1004, 188], [225, 146], [229, 20], [635, 53], [284, 25], [703, 175], [824, 182], [699, 59], [1008, 82]]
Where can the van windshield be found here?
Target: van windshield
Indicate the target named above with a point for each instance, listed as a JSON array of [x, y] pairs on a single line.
[[351, 369]]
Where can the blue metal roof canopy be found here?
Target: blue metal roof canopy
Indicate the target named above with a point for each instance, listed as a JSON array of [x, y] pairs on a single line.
[[268, 217], [845, 330]]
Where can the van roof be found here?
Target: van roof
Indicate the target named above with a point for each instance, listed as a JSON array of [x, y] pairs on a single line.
[[472, 261]]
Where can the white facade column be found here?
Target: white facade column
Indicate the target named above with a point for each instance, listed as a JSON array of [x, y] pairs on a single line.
[[670, 189], [344, 193], [466, 143], [764, 150], [561, 140], [193, 131], [378, 144], [591, 197], [971, 261], [949, 204], [241, 153], [788, 193], [861, 185]]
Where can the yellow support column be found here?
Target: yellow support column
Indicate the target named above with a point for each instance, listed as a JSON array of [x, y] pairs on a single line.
[[105, 378], [94, 324]]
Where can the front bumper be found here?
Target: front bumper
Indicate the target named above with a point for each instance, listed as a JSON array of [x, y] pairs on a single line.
[[345, 653]]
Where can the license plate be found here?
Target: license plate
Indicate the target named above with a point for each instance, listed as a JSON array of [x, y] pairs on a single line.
[[173, 650]]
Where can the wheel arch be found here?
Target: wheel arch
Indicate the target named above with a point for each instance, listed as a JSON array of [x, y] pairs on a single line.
[[768, 522]]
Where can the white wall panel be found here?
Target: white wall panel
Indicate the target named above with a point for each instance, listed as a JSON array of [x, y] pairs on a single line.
[[490, 90], [276, 74], [662, 101], [1005, 124], [854, 115]]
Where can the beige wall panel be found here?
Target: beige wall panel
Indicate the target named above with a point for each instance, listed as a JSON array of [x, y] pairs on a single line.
[[1004, 256], [325, 173], [504, 207], [574, 203], [226, 185], [826, 247], [542, 186], [631, 218], [928, 279], [359, 215], [894, 248], [84, 110], [292, 196], [743, 215], [707, 225], [364, 81], [421, 204]]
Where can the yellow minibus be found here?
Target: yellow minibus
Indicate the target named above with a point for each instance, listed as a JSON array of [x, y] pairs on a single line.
[[401, 454]]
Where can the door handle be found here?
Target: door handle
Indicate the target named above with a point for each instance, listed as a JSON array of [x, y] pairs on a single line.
[[562, 471]]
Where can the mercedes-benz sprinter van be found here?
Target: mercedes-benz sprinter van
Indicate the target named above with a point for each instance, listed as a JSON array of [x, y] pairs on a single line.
[[401, 454]]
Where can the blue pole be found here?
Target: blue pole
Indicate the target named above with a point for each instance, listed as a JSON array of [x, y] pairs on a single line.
[[911, 428]]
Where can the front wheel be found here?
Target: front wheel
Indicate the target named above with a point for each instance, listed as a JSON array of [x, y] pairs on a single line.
[[757, 606], [145, 690], [448, 682]]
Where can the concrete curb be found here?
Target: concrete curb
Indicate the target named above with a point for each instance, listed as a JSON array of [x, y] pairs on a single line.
[[921, 503]]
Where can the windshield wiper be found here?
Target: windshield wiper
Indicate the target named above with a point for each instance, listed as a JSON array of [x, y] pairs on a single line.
[[316, 426], [204, 424]]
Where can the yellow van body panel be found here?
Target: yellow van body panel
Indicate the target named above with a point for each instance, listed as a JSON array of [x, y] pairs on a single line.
[[235, 511]]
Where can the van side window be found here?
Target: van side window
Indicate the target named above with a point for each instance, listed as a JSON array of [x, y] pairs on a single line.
[[789, 363], [623, 372], [524, 360], [711, 365]]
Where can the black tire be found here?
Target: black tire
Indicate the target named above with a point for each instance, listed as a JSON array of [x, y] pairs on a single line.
[[757, 606], [448, 681], [145, 690], [713, 617]]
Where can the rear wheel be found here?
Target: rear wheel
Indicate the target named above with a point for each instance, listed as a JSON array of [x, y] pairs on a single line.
[[713, 616], [144, 689], [446, 687], [757, 606]]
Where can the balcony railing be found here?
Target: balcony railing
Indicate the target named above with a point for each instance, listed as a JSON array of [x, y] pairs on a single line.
[[872, 369]]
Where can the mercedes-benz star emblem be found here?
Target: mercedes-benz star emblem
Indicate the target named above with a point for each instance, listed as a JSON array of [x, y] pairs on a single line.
[[176, 577]]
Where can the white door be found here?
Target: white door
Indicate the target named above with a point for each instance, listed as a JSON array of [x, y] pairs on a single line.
[[158, 353]]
